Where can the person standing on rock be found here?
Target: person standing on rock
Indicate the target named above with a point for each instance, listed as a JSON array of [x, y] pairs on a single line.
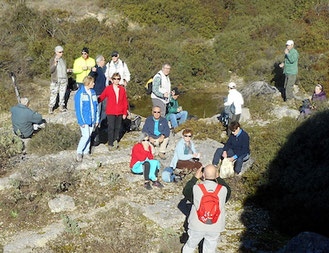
[[117, 66], [204, 224], [116, 109], [85, 101], [236, 148], [233, 104], [142, 162], [58, 85], [290, 69], [157, 128], [161, 89], [83, 65]]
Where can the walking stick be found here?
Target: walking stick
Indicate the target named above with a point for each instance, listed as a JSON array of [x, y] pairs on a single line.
[[13, 78]]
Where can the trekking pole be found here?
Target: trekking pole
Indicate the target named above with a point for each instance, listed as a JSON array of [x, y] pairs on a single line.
[[13, 78]]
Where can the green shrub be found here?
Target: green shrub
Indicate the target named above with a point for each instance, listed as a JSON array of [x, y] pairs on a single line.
[[54, 138], [10, 145]]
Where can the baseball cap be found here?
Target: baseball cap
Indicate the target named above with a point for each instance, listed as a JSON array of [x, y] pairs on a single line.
[[289, 42], [232, 85], [59, 49], [85, 49], [115, 54]]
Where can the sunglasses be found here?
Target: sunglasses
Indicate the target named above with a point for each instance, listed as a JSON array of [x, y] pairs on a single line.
[[60, 52], [116, 78], [115, 55], [156, 112], [187, 135], [146, 140]]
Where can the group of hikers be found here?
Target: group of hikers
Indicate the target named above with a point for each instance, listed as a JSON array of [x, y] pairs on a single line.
[[101, 102]]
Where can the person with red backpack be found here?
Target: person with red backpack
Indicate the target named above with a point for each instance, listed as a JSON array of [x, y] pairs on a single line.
[[207, 216]]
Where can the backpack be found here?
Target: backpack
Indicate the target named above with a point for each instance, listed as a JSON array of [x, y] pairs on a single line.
[[149, 86], [209, 211], [135, 123]]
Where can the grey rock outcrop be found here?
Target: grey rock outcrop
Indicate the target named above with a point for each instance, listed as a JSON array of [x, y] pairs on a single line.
[[259, 88], [284, 111], [61, 203]]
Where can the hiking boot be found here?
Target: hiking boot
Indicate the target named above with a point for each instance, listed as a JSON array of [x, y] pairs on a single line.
[[157, 184], [62, 109], [147, 186], [116, 144], [50, 110], [177, 178], [79, 157], [162, 156]]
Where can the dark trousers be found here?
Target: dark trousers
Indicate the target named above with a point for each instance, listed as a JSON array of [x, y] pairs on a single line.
[[114, 124], [238, 162]]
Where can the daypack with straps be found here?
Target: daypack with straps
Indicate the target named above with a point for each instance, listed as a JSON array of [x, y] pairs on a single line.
[[209, 211], [149, 85]]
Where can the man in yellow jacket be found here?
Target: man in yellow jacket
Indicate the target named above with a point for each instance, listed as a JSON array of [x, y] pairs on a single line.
[[83, 65]]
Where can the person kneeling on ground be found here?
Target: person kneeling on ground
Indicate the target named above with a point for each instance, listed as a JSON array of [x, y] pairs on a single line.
[[175, 112], [156, 127], [142, 162], [236, 149], [25, 121], [207, 218], [186, 156], [85, 101]]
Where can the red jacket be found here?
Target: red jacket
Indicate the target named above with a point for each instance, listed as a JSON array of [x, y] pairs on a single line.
[[139, 154], [112, 107]]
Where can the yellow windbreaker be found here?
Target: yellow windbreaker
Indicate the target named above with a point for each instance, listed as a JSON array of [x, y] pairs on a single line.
[[78, 65]]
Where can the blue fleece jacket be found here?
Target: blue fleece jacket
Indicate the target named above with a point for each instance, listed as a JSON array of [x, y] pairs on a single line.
[[100, 80], [85, 115], [239, 144], [163, 127], [179, 153]]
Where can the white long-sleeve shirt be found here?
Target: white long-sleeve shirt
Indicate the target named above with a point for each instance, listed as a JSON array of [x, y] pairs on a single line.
[[235, 97], [119, 67]]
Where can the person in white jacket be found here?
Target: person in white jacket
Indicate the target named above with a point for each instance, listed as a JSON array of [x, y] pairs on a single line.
[[234, 102], [117, 66]]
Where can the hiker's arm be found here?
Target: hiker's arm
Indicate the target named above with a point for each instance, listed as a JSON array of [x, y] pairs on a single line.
[[156, 86], [188, 189], [126, 73], [292, 56], [52, 65], [222, 182]]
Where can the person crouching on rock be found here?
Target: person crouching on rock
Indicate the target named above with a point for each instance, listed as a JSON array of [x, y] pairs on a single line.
[[186, 156], [142, 162], [85, 101]]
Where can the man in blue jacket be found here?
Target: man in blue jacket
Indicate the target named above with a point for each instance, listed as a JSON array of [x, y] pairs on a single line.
[[157, 129], [236, 149]]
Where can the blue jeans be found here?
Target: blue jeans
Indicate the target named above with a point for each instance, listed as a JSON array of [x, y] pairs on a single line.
[[84, 143], [238, 162], [182, 116]]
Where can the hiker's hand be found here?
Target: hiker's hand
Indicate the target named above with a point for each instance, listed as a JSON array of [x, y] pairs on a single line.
[[124, 116], [83, 126], [198, 173], [281, 65], [166, 95], [231, 159], [224, 155], [69, 70], [84, 68], [286, 51], [125, 82], [151, 139], [94, 69], [161, 138]]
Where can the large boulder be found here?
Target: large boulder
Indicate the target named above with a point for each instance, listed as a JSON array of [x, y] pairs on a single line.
[[284, 111], [307, 242], [245, 115], [259, 88]]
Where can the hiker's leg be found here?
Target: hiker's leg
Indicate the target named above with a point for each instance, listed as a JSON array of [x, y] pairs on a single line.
[[110, 127], [193, 240], [217, 156], [53, 94], [210, 242], [182, 117], [173, 120], [147, 167], [163, 145], [239, 162], [62, 91], [117, 126]]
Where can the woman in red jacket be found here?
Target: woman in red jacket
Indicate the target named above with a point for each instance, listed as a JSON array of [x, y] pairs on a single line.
[[116, 109], [142, 162]]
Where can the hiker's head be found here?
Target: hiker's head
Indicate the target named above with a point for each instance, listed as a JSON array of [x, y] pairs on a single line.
[[156, 112], [210, 172], [231, 85], [175, 93], [25, 101], [100, 60], [143, 138], [85, 53], [166, 68], [116, 78], [318, 88], [59, 51], [290, 44], [234, 127], [115, 56], [187, 134], [88, 82]]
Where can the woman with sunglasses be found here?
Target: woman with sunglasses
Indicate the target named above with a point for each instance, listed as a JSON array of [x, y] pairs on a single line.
[[185, 156], [116, 109], [142, 162]]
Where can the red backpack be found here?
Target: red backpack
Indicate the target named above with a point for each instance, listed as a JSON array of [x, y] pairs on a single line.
[[209, 211]]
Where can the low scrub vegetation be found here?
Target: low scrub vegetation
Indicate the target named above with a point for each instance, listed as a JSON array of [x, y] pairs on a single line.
[[10, 145]]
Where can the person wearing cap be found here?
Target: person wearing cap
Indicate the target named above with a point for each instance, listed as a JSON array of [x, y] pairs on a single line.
[[290, 69], [25, 121], [82, 66], [161, 89], [175, 114], [116, 65], [234, 104], [58, 72]]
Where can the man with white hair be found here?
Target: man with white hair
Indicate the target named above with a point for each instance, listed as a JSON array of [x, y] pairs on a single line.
[[290, 69], [58, 71], [24, 120], [233, 104]]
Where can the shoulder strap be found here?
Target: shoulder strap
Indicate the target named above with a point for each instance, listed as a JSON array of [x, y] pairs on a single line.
[[203, 189], [123, 63], [218, 189]]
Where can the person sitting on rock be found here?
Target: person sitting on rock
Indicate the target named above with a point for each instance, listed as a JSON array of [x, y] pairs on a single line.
[[236, 149], [156, 127], [25, 121], [175, 113], [142, 162], [186, 156], [310, 105]]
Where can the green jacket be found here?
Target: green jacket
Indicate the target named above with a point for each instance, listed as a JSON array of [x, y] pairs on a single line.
[[188, 189], [172, 107], [291, 62], [23, 119]]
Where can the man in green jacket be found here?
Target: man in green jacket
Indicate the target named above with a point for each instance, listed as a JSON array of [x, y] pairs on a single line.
[[175, 112], [290, 69], [24, 120]]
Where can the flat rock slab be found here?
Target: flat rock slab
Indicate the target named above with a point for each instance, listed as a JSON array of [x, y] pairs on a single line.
[[61, 203]]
